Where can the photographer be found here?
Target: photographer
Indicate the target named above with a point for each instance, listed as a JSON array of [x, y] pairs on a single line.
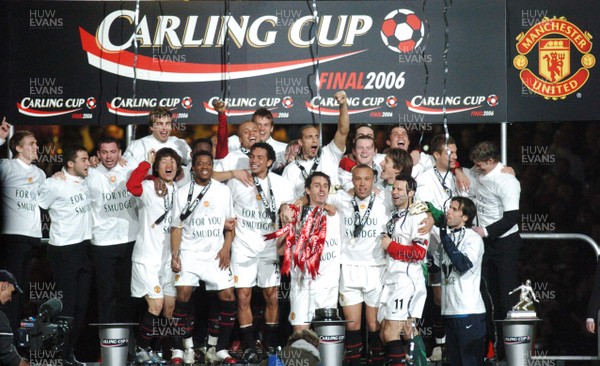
[[8, 353]]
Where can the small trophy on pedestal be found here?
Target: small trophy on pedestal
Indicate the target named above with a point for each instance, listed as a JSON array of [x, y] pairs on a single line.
[[522, 309]]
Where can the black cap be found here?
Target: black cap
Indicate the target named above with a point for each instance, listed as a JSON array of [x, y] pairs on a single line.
[[6, 276]]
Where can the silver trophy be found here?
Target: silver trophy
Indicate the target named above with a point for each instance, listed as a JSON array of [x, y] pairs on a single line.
[[522, 309]]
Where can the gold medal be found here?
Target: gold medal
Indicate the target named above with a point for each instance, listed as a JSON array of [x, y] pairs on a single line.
[[258, 198], [206, 203], [362, 206], [113, 179], [29, 180]]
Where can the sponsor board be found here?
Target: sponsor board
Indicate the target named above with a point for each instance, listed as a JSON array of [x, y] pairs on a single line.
[[476, 105], [279, 56], [76, 108]]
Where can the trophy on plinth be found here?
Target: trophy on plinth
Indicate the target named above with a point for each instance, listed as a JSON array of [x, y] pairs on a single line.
[[524, 308], [518, 327]]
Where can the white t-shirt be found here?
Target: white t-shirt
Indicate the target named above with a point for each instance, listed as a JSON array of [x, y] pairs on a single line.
[[233, 144], [426, 161], [497, 192], [366, 248], [329, 268], [153, 244], [20, 186], [202, 231], [279, 148], [114, 210], [460, 292], [70, 207], [406, 229], [233, 161], [253, 221], [186, 177], [138, 150], [429, 187], [330, 161]]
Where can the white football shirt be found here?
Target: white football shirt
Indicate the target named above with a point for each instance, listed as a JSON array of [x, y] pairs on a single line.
[[406, 229], [114, 209], [497, 192], [233, 161], [202, 231], [366, 248], [20, 185], [330, 161], [460, 291], [70, 207], [153, 244], [253, 221]]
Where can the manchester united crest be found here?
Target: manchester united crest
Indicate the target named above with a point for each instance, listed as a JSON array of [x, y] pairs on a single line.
[[554, 59], [560, 44]]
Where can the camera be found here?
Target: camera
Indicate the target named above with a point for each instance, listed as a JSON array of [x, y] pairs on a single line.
[[47, 330]]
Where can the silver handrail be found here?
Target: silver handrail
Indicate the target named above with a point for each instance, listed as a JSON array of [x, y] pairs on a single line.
[[596, 249], [550, 236]]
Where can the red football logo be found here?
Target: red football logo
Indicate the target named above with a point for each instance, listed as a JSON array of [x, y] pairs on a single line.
[[91, 103], [287, 102], [391, 101], [492, 100], [186, 102], [402, 31]]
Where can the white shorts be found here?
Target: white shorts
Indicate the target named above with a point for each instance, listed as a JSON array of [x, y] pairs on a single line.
[[256, 271], [156, 281], [304, 302], [403, 299], [361, 283], [215, 278]]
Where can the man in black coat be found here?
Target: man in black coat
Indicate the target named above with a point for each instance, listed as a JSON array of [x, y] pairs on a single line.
[[594, 304], [8, 353]]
